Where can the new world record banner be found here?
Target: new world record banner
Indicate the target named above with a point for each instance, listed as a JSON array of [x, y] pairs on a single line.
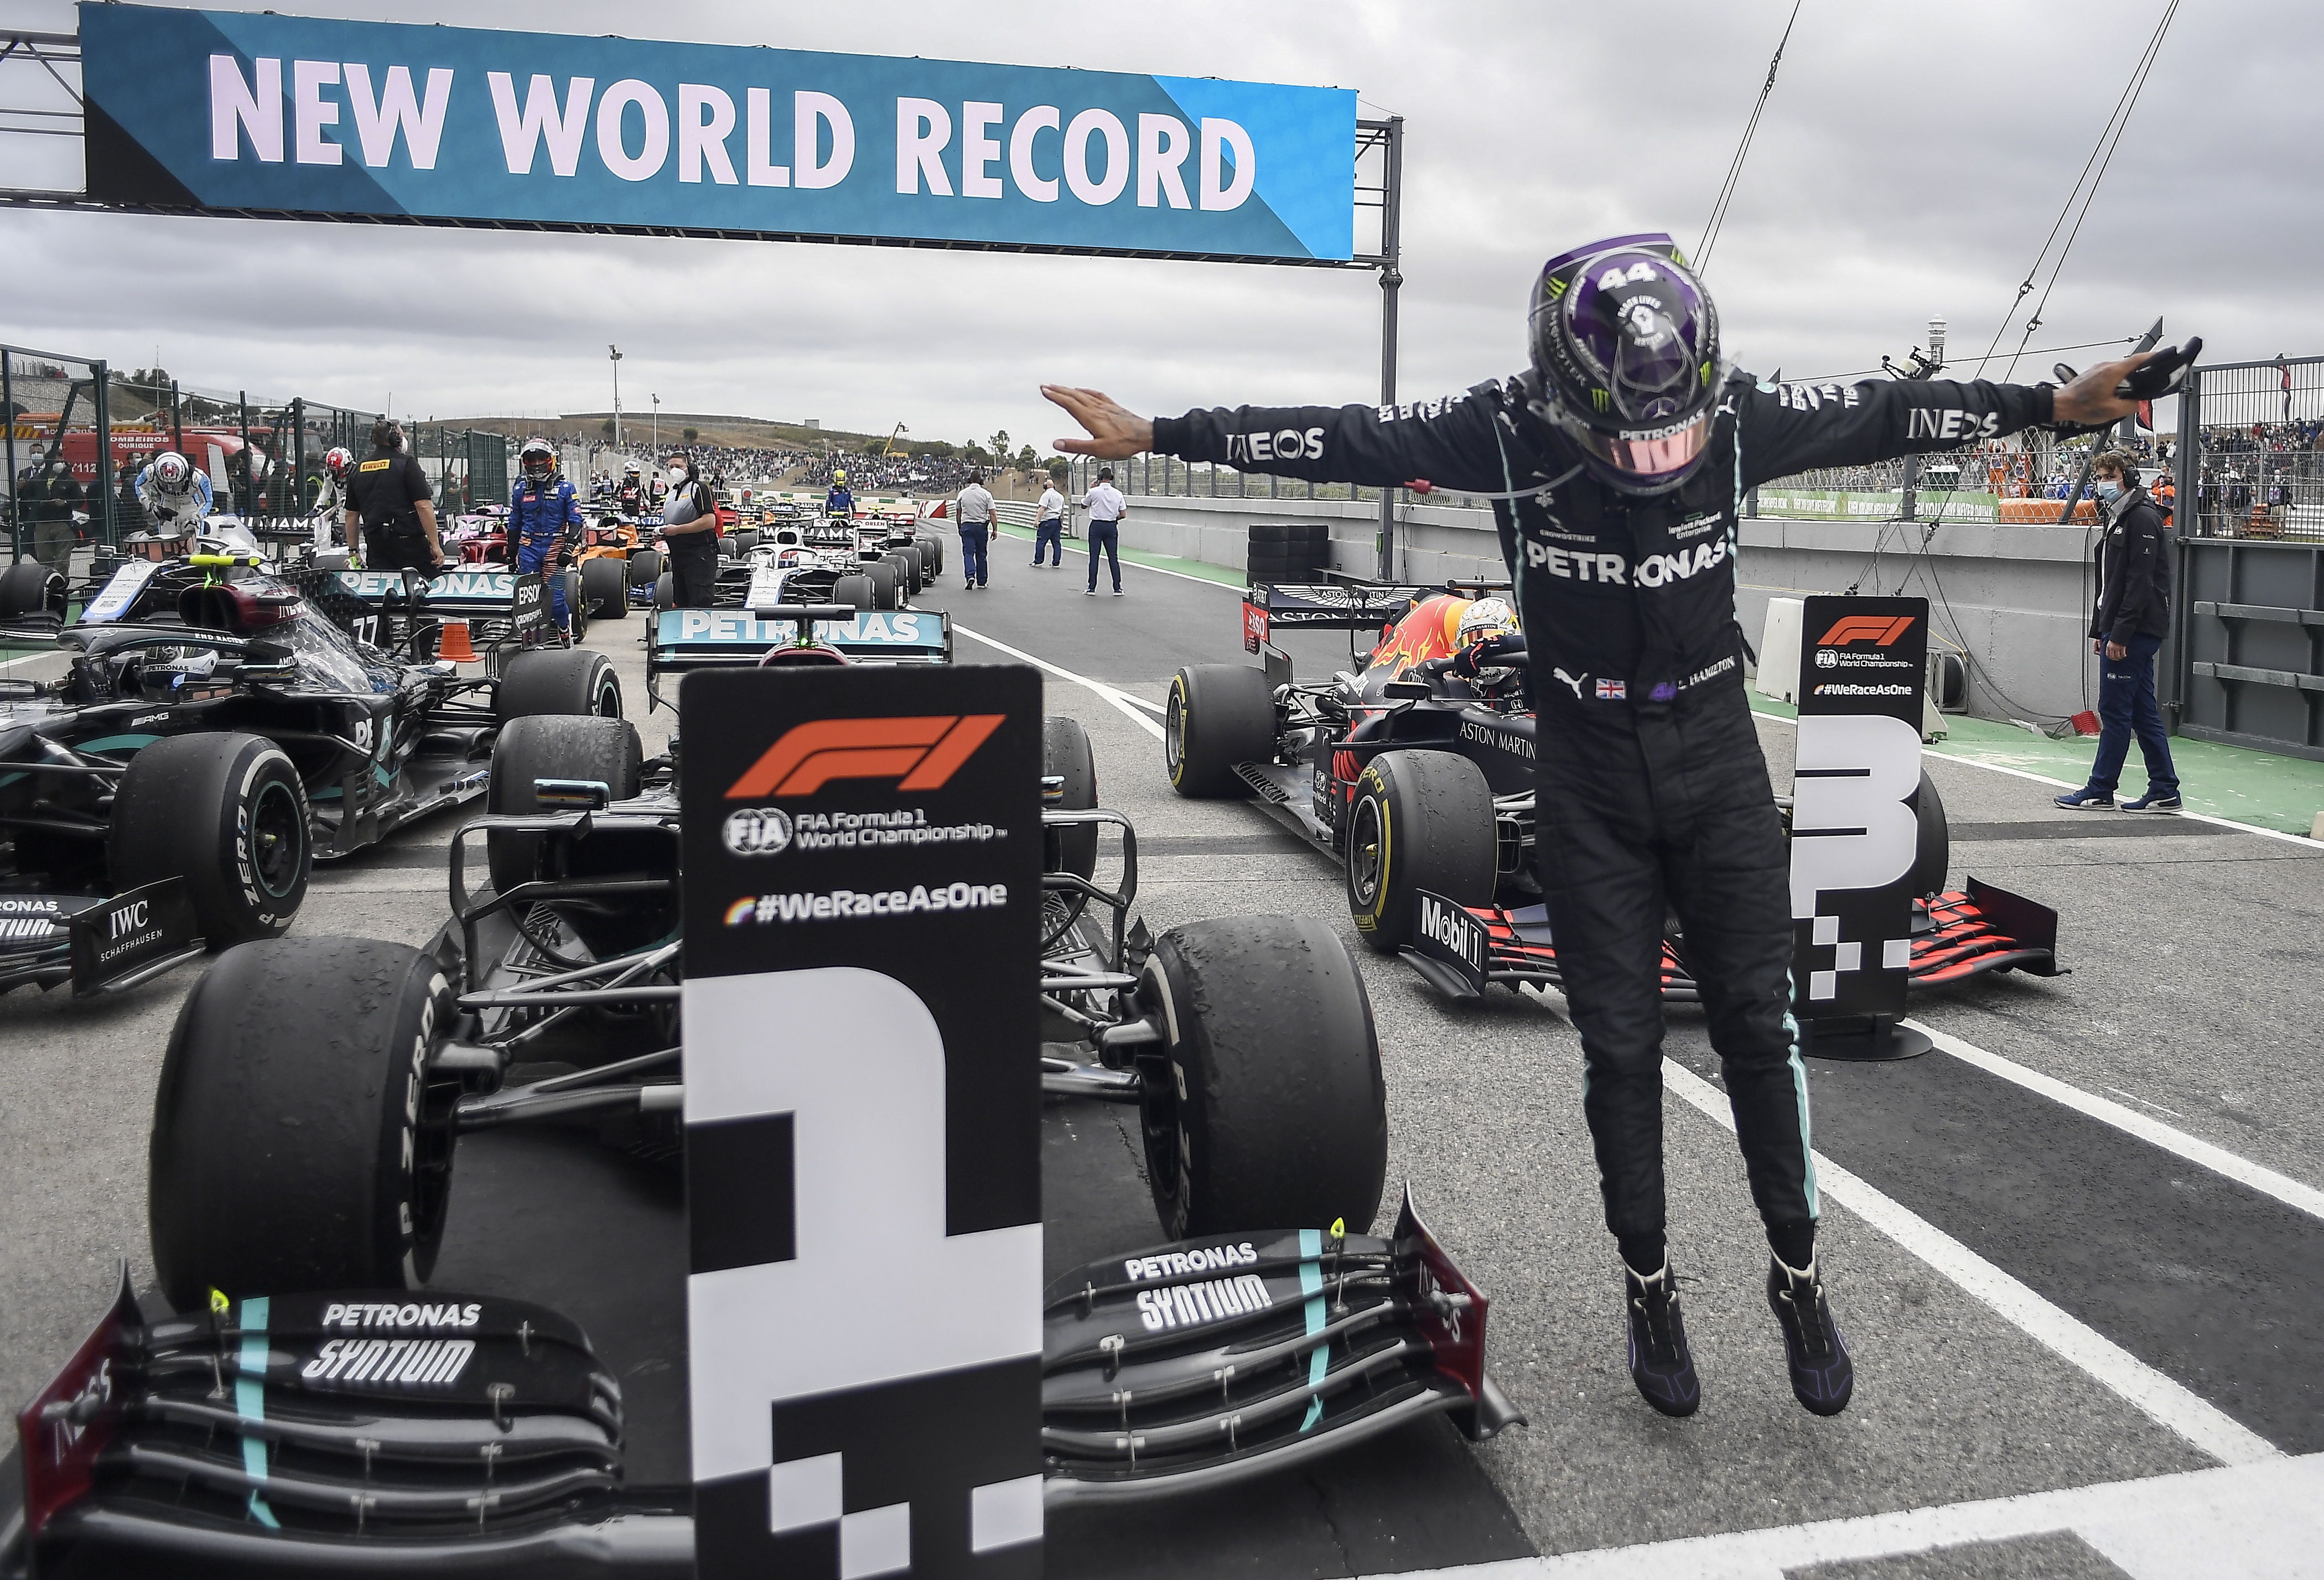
[[240, 111]]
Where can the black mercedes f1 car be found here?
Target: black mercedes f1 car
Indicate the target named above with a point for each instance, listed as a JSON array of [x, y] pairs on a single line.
[[1420, 780], [379, 1425], [208, 728]]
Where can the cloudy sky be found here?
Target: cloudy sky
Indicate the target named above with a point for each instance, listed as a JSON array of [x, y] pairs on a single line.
[[1911, 161]]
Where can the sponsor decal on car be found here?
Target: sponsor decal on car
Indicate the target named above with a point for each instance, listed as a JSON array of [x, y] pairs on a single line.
[[1507, 740], [367, 1314], [920, 753], [1194, 1304], [846, 904], [1203, 1259], [1448, 924], [421, 1362]]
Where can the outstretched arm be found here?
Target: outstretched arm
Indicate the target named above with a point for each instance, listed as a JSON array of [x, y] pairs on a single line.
[[1449, 441]]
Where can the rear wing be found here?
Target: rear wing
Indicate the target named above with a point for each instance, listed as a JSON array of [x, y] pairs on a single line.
[[681, 640], [1344, 605], [463, 594]]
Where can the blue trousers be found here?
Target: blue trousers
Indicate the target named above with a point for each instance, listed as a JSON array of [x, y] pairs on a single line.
[[1105, 537], [541, 558], [1049, 535], [2126, 706], [972, 534]]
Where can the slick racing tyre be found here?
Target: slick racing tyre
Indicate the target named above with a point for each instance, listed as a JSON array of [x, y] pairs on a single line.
[[576, 607], [932, 547], [549, 746], [557, 680], [883, 574], [227, 815], [298, 1143], [30, 587], [743, 542], [645, 568], [1266, 1109], [1936, 854], [855, 591], [1219, 715], [907, 567], [1420, 820], [1065, 755], [665, 590], [605, 588]]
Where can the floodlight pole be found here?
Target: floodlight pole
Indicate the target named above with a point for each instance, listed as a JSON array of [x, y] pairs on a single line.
[[657, 424], [615, 352]]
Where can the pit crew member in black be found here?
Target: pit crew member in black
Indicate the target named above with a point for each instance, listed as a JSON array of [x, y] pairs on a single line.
[[1616, 464], [388, 497]]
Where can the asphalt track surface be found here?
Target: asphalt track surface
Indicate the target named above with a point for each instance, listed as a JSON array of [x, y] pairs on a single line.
[[2078, 1257]]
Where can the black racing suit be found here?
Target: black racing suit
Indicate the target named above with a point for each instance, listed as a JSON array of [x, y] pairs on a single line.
[[1651, 788]]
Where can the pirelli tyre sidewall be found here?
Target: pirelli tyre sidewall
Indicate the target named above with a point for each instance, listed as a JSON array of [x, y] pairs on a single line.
[[298, 1143], [1935, 853], [1219, 715], [228, 815], [1419, 820], [1266, 1109], [552, 746], [605, 587]]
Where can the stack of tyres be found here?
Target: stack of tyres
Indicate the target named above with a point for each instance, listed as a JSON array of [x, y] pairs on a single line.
[[1292, 552]]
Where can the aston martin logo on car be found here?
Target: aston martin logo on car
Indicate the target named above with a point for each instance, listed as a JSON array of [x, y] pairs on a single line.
[[920, 753]]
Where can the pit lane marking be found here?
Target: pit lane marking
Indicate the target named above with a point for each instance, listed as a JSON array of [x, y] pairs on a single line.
[[2243, 1519], [2293, 1194], [1121, 700], [2168, 1403]]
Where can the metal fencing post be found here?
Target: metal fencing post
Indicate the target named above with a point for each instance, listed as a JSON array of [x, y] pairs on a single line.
[[8, 404], [106, 531], [242, 503], [2186, 476], [1391, 279]]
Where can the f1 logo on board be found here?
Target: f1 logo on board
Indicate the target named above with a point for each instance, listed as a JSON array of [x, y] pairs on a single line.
[[1879, 630], [920, 753]]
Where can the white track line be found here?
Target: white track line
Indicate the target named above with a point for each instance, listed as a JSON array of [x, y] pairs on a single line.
[[1121, 700], [2306, 1198], [2167, 1402], [2248, 1520], [2302, 841]]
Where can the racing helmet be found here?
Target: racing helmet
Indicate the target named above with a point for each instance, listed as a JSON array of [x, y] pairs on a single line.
[[1624, 345], [628, 469], [172, 473], [840, 476], [337, 463], [1488, 617], [538, 460]]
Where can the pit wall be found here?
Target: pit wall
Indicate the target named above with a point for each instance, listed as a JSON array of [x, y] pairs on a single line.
[[2016, 599]]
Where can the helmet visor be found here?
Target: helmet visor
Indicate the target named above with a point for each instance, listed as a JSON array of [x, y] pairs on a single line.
[[539, 465], [1661, 456]]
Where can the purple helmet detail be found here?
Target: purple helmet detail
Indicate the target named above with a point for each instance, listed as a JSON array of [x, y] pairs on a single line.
[[1624, 341]]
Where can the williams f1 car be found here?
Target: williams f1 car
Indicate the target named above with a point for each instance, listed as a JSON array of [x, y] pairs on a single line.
[[210, 728], [1419, 780]]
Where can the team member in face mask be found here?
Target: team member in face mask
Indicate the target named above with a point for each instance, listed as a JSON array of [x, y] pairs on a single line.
[[1618, 463], [2127, 630], [690, 534]]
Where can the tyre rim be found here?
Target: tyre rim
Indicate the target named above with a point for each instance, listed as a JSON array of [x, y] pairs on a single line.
[[277, 839], [1364, 853], [1174, 734]]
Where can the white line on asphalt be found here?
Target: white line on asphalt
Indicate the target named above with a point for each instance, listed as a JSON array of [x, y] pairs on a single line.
[[2253, 1520], [2302, 841], [1121, 700], [2170, 1404], [2307, 1199]]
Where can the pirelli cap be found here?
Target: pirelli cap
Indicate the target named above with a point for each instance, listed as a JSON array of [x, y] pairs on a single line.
[[1625, 344]]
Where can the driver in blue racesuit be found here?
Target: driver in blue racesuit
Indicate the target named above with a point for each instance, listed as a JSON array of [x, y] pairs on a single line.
[[841, 500], [544, 512]]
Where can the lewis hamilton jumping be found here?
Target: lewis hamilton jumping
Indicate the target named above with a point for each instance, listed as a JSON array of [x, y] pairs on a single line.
[[1617, 464]]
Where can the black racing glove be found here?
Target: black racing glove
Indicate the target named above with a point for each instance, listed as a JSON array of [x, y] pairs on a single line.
[[2161, 373]]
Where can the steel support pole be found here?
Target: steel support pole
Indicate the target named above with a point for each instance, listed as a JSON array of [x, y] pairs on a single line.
[[8, 405], [103, 479], [1391, 279], [2187, 469]]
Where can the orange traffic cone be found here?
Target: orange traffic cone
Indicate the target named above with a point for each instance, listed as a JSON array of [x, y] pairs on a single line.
[[452, 642]]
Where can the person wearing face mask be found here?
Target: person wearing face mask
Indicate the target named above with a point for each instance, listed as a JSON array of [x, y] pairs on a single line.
[[1617, 463], [690, 534], [2131, 617]]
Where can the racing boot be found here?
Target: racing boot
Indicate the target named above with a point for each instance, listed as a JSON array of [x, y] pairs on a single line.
[[1660, 1363], [1823, 1378]]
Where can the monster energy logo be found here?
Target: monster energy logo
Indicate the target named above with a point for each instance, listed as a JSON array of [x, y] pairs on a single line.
[[1598, 399]]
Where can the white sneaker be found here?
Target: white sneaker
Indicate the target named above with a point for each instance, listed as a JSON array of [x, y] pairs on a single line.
[[1089, 592], [1117, 592]]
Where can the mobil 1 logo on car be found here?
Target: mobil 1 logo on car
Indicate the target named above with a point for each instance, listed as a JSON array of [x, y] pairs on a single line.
[[1855, 825], [862, 1113]]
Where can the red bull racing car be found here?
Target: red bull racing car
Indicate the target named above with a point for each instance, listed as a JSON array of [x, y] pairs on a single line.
[[1419, 779]]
